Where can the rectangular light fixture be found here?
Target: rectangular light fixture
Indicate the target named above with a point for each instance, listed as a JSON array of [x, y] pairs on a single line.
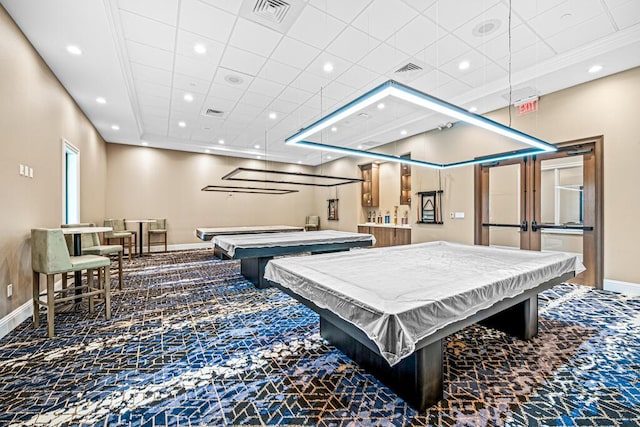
[[290, 178], [252, 190], [398, 90]]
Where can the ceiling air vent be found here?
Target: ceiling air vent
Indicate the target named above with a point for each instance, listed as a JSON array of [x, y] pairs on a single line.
[[408, 68], [273, 10], [275, 14], [212, 112]]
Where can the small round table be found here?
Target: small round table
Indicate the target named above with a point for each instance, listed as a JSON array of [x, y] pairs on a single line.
[[140, 222]]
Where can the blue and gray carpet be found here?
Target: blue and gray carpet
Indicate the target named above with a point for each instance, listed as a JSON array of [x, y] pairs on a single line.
[[192, 343]]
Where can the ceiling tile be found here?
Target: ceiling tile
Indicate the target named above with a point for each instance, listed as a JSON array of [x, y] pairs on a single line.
[[266, 87], [229, 6], [254, 38], [246, 109], [453, 13], [148, 88], [165, 11], [151, 74], [498, 47], [443, 51], [416, 35], [282, 106], [195, 67], [429, 82], [383, 18], [205, 20], [485, 75], [190, 84], [338, 91], [420, 5], [294, 53], [147, 31], [243, 61], [357, 76], [498, 13], [178, 102], [339, 65], [151, 105], [293, 94], [277, 72], [565, 16], [150, 56], [315, 28], [451, 90], [341, 9], [581, 34], [187, 41], [627, 14], [223, 76], [257, 99], [309, 82], [382, 59], [352, 44], [528, 9], [226, 91], [529, 56], [475, 59], [217, 103]]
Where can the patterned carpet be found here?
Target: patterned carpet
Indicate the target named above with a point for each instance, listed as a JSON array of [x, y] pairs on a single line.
[[192, 343]]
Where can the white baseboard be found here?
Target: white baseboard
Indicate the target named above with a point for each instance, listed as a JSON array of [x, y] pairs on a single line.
[[16, 317], [183, 246], [627, 288]]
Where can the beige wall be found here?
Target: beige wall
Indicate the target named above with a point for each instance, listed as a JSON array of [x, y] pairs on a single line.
[[606, 107], [144, 182], [35, 114]]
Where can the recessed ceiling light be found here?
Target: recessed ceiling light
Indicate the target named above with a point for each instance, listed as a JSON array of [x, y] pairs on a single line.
[[256, 146], [328, 157], [334, 129], [273, 116], [101, 100], [182, 124], [328, 67], [200, 48], [74, 50], [566, 16], [363, 115], [188, 97], [221, 141], [299, 162], [380, 106], [359, 147], [115, 127], [464, 65], [145, 143], [258, 157], [473, 109], [207, 151], [595, 68], [403, 132]]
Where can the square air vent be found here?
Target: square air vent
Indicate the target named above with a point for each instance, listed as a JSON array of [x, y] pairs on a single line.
[[212, 112], [409, 71], [278, 15]]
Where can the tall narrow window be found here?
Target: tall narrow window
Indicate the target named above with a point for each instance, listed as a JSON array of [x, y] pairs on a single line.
[[70, 183]]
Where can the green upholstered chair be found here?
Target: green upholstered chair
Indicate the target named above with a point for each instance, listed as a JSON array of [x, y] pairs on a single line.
[[120, 234], [49, 256], [155, 229], [91, 246], [312, 223]]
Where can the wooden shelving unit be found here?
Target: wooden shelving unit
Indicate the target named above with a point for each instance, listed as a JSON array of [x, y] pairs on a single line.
[[370, 185]]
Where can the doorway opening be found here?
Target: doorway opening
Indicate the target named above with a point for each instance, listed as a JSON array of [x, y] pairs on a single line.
[[70, 183]]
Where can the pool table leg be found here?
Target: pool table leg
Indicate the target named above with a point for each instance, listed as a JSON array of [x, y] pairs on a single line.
[[417, 378], [253, 270], [520, 320]]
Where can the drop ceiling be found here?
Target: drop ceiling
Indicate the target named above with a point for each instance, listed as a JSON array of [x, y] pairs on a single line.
[[264, 73]]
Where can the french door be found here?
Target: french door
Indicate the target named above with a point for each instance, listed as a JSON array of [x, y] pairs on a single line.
[[550, 202]]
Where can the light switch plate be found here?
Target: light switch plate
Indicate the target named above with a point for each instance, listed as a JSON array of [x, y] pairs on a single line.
[[21, 170], [30, 172], [459, 215]]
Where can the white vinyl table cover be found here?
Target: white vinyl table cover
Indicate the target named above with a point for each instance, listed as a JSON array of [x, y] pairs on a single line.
[[202, 232], [246, 241], [418, 289]]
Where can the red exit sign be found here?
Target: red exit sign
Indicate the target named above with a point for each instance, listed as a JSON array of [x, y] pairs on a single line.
[[528, 107]]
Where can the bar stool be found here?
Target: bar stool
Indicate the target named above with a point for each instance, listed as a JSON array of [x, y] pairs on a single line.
[[49, 256], [157, 228], [119, 233]]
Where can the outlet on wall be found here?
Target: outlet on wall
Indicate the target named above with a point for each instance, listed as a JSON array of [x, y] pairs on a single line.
[[9, 290]]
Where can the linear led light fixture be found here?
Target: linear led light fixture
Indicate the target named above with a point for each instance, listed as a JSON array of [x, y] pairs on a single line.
[[338, 180], [252, 190], [393, 88]]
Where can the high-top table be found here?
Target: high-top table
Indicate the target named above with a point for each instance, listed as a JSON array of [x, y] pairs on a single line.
[[140, 222], [77, 233]]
